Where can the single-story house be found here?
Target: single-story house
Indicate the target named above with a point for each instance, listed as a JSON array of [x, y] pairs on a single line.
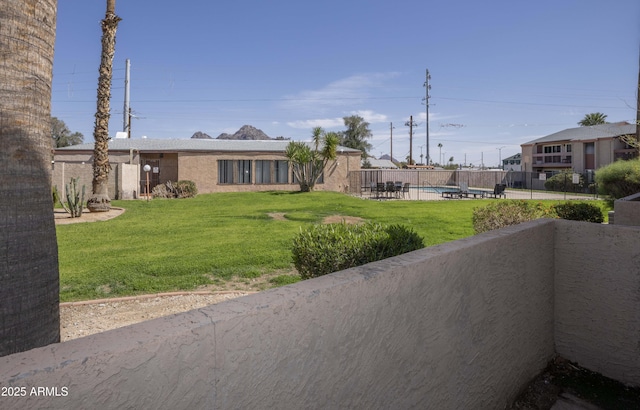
[[380, 163], [581, 149], [215, 165]]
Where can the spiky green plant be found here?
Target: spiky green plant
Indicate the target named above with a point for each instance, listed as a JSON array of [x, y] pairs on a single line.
[[75, 198]]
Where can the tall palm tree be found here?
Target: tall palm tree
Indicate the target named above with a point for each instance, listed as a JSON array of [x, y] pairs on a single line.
[[29, 304], [595, 118], [99, 201]]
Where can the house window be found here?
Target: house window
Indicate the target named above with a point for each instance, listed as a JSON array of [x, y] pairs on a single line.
[[225, 172], [281, 172], [244, 171], [550, 149], [567, 148], [263, 172], [234, 172]]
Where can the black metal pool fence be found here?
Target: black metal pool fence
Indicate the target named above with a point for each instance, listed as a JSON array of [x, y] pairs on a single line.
[[429, 184]]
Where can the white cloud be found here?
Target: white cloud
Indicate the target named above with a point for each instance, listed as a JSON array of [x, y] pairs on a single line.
[[370, 116], [346, 91], [324, 123]]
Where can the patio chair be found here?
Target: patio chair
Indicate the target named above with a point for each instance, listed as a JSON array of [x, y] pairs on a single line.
[[390, 187], [452, 193], [379, 189], [373, 190], [498, 191], [397, 188], [405, 189]]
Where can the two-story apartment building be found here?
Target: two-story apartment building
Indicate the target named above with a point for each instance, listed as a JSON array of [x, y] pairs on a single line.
[[580, 149]]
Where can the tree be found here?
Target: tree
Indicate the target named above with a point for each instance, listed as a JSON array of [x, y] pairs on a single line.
[[99, 201], [62, 137], [356, 134], [595, 118], [29, 293], [309, 162]]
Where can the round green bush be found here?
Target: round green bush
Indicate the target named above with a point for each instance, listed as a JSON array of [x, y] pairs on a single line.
[[619, 179], [563, 182], [322, 249], [579, 211]]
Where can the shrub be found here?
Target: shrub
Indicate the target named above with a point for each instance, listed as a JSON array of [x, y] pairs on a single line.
[[579, 211], [563, 182], [185, 189], [619, 179], [504, 213], [180, 189], [323, 249]]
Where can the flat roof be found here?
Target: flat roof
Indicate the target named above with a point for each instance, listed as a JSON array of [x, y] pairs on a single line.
[[195, 144]]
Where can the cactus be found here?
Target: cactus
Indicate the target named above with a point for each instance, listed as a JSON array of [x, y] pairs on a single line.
[[75, 200]]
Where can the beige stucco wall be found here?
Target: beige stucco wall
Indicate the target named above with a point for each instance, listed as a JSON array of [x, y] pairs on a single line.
[[128, 181], [577, 156], [202, 168], [122, 184], [527, 158], [461, 325], [604, 152], [627, 210], [597, 285]]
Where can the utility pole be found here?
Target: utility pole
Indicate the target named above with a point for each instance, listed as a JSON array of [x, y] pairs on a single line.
[[410, 124], [391, 139], [427, 87], [500, 157], [126, 125]]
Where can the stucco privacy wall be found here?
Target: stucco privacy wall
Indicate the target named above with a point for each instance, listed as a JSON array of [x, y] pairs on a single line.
[[123, 180], [597, 307], [627, 210], [447, 327]]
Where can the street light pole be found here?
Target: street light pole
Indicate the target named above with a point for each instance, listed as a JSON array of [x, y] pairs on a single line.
[[500, 157], [146, 169]]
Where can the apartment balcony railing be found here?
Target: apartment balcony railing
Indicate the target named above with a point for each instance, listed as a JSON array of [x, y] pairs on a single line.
[[552, 160]]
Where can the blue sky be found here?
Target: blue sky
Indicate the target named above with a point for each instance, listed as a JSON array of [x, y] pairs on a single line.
[[503, 72]]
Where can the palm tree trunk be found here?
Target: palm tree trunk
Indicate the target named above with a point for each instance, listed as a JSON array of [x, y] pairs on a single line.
[[29, 286], [99, 200]]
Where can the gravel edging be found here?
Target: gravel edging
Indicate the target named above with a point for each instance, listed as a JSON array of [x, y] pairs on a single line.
[[84, 318]]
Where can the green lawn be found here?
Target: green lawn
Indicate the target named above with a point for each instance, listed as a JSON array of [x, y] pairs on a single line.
[[167, 245]]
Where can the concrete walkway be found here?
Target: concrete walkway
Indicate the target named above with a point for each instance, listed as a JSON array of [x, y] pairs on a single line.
[[417, 194]]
